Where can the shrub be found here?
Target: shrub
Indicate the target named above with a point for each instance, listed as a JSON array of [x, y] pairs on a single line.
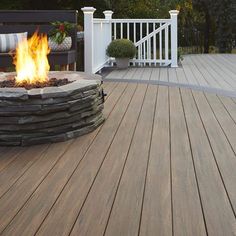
[[121, 48]]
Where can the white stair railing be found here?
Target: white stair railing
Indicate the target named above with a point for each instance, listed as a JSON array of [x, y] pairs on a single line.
[[149, 32], [150, 36]]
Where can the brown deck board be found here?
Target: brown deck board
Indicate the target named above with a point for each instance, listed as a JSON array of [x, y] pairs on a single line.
[[186, 202], [157, 215], [125, 215], [7, 155], [220, 146], [163, 163], [230, 106], [226, 122], [216, 207], [13, 171], [19, 193], [78, 186], [49, 192], [101, 196]]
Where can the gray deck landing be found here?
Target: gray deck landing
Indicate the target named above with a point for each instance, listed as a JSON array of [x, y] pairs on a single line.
[[213, 73]]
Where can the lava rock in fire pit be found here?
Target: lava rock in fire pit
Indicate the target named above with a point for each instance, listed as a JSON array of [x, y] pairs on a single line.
[[52, 82], [50, 114]]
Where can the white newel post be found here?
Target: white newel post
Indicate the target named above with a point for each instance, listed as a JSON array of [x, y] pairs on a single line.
[[108, 16], [88, 38], [174, 37]]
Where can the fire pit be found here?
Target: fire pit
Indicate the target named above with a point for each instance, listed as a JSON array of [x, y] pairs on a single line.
[[38, 106], [50, 114]]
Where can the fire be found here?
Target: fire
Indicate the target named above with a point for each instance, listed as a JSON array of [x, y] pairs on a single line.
[[31, 60]]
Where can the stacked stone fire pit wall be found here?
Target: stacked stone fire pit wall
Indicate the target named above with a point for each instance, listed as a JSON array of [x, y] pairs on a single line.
[[51, 114]]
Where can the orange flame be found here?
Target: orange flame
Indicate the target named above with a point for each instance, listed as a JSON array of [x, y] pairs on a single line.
[[31, 60]]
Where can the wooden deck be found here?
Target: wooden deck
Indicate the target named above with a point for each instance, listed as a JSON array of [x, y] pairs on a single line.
[[214, 73], [163, 163]]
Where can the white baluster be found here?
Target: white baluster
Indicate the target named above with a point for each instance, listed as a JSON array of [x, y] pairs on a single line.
[[139, 53], [144, 52], [134, 32], [154, 45], [166, 43], [148, 43], [128, 30], [121, 30], [141, 36], [114, 30], [160, 45]]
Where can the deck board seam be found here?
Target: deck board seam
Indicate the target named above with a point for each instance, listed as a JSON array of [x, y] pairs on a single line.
[[214, 61], [17, 179], [72, 141], [171, 175], [225, 63], [212, 68], [66, 183], [103, 158], [184, 72], [60, 156], [87, 149], [114, 85], [189, 82], [204, 75], [14, 156], [127, 155], [226, 136], [193, 162], [197, 69], [148, 160], [226, 71], [214, 157], [226, 109], [234, 100]]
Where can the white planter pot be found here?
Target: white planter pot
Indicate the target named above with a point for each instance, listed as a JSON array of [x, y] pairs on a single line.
[[122, 63], [64, 46]]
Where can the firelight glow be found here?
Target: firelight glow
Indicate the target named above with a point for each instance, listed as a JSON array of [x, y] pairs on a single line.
[[31, 60]]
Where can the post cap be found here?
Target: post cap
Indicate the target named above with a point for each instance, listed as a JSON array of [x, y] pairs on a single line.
[[174, 12], [88, 9], [108, 14]]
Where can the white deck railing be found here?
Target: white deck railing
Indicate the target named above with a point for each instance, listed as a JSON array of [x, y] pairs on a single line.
[[150, 36]]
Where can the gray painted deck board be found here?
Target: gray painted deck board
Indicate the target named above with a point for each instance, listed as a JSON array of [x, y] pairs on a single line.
[[214, 71]]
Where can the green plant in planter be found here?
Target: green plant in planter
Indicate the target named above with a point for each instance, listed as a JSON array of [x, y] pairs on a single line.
[[60, 31], [122, 50]]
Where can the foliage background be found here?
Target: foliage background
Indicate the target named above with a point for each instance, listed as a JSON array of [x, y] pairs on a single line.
[[204, 25]]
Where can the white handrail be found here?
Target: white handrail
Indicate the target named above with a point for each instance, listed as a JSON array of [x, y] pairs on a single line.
[[98, 21], [140, 20], [145, 34], [151, 34]]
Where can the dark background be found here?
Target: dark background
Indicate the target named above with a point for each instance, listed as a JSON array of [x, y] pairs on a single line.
[[205, 26]]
